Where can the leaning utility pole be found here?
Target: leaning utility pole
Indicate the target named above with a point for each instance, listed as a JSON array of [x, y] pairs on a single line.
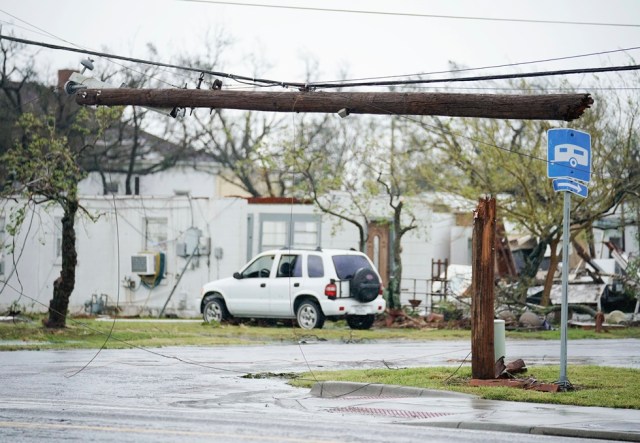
[[526, 107]]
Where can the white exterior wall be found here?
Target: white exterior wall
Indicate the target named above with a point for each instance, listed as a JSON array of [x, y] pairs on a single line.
[[229, 232], [339, 234], [460, 245], [431, 241], [105, 248], [164, 183], [104, 251]]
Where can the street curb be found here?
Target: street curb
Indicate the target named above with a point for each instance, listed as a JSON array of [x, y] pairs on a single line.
[[536, 430], [337, 389], [334, 389]]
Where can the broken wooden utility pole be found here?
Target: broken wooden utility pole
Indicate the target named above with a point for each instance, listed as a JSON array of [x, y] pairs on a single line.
[[482, 309], [522, 107]]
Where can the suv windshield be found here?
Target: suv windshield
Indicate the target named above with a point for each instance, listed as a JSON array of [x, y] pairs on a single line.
[[347, 265]]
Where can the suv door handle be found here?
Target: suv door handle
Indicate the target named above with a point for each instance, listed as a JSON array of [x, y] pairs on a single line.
[[296, 285], [263, 285]]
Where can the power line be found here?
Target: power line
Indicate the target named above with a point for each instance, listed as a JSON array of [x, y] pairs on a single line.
[[475, 78], [328, 85], [84, 50], [148, 62], [279, 83], [411, 14], [505, 65]]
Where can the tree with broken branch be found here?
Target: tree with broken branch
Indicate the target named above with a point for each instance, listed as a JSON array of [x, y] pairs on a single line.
[[506, 158]]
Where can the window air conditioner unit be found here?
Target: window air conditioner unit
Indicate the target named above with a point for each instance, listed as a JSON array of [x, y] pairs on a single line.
[[143, 264]]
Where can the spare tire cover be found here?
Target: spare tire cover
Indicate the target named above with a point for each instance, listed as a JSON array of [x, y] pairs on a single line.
[[365, 285]]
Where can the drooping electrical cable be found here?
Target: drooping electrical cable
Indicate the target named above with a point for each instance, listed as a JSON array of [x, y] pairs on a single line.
[[115, 316]]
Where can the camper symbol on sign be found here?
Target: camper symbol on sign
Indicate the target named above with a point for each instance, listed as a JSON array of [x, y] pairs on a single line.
[[569, 154]]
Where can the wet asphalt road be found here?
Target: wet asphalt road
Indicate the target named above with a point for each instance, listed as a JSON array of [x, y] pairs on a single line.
[[199, 394]]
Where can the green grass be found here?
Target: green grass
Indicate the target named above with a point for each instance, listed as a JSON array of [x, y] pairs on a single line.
[[89, 333], [594, 385]]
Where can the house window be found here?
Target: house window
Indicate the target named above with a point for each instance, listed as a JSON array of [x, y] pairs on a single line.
[[112, 188], [274, 234], [284, 230], [305, 234], [155, 234]]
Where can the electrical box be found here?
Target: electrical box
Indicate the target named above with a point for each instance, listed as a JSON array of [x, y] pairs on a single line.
[[205, 245], [194, 243], [143, 264]]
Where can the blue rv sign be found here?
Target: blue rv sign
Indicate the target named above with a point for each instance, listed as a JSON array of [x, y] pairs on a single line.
[[569, 154]]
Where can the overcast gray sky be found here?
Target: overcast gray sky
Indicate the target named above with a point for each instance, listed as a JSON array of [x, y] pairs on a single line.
[[359, 44]]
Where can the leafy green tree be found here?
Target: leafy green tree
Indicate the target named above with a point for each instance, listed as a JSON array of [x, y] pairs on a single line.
[[43, 170]]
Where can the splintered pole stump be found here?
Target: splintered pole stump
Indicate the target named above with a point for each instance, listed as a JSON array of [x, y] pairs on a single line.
[[482, 310]]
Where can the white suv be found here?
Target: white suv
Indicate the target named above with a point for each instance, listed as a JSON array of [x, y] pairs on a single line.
[[308, 285]]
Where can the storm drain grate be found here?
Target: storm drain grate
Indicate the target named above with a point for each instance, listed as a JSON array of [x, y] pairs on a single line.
[[398, 413], [369, 397]]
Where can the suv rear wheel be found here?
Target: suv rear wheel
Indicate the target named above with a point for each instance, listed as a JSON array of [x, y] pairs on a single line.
[[214, 310], [360, 321], [309, 315]]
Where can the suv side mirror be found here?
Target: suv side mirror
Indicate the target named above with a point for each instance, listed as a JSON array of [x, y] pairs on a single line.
[[237, 276]]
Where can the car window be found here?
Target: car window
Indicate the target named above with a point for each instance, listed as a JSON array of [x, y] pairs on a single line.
[[290, 266], [315, 266], [259, 268], [347, 265]]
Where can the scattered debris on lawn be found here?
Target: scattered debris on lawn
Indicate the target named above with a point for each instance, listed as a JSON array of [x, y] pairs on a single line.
[[505, 377], [529, 383]]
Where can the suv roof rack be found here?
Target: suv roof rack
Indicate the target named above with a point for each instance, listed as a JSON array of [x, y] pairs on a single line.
[[317, 248]]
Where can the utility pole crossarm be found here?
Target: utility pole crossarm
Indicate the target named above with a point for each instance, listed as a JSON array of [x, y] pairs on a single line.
[[565, 107]]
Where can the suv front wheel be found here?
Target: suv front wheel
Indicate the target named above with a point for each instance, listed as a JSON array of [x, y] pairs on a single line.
[[214, 310], [360, 321], [309, 315]]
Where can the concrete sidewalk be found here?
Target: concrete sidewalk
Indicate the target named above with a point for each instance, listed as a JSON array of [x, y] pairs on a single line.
[[425, 407]]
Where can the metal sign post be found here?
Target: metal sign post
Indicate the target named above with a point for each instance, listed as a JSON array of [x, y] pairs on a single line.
[[564, 313], [569, 164]]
